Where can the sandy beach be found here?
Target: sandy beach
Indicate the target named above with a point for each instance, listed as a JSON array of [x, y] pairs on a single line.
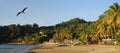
[[81, 49]]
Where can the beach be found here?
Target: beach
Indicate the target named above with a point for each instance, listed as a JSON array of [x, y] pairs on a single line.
[[80, 49]]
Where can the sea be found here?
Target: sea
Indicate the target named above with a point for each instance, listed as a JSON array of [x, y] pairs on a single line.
[[16, 48]]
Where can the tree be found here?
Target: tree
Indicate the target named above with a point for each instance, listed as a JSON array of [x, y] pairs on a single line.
[[35, 25], [107, 23], [111, 16], [61, 35]]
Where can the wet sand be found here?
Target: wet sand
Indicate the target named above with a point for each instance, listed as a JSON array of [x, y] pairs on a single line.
[[80, 49]]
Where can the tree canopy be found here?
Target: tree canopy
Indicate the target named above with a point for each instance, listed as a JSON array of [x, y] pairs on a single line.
[[76, 28]]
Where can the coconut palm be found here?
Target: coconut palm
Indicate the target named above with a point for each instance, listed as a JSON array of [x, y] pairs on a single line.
[[107, 23], [112, 15], [61, 35]]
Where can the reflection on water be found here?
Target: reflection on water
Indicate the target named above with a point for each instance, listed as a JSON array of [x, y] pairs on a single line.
[[15, 48], [5, 48]]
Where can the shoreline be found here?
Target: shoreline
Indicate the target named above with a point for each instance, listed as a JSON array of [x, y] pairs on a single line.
[[79, 49], [37, 46], [14, 43], [55, 48], [16, 48], [28, 50]]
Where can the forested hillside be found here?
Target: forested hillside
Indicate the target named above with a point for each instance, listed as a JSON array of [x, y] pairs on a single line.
[[33, 33], [108, 24]]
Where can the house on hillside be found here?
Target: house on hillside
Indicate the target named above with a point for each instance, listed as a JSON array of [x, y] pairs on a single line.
[[108, 40]]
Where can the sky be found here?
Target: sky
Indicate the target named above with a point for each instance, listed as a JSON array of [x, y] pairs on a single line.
[[51, 12]]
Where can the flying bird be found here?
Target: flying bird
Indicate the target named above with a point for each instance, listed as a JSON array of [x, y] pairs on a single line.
[[23, 11], [18, 13]]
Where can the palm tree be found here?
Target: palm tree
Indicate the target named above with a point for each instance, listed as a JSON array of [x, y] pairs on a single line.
[[112, 15], [107, 23], [100, 33], [60, 35]]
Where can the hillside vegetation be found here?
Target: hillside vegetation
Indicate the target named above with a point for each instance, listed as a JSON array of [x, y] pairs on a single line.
[[108, 24]]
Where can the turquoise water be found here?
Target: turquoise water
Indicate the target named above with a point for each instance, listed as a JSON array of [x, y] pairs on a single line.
[[15, 48]]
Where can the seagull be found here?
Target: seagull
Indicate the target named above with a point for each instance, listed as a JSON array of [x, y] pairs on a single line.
[[23, 11]]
